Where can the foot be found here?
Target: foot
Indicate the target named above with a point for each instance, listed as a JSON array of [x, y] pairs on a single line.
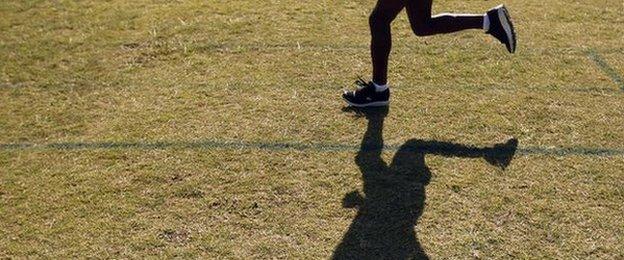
[[366, 95], [501, 154], [501, 27]]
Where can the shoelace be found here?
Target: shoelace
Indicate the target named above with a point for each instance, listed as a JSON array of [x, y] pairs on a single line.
[[361, 83]]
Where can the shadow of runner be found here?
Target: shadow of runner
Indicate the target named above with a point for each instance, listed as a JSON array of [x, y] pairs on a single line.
[[394, 195]]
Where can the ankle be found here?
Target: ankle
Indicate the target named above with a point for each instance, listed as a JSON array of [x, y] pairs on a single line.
[[380, 87]]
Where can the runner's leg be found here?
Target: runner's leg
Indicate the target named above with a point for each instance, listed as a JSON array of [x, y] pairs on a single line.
[[381, 38], [423, 24]]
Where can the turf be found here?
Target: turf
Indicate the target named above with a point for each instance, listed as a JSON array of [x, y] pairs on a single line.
[[214, 129]]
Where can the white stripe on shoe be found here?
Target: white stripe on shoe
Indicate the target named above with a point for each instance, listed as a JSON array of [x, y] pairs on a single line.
[[504, 20], [372, 104]]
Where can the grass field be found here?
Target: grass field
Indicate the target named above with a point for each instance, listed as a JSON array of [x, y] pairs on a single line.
[[214, 129]]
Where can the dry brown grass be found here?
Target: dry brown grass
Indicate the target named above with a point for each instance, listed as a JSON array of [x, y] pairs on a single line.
[[185, 72]]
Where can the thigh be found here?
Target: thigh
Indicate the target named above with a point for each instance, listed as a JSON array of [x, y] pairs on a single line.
[[418, 11], [387, 9]]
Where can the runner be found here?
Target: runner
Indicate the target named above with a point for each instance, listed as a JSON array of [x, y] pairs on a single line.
[[495, 22]]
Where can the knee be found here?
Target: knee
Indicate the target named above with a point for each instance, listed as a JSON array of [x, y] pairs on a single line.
[[377, 20], [421, 28]]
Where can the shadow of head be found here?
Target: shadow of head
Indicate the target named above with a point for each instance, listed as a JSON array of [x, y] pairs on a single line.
[[409, 164]]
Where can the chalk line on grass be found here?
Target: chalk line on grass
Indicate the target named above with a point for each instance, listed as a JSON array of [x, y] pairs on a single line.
[[277, 147], [606, 68]]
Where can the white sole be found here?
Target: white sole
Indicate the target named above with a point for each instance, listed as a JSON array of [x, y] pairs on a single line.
[[504, 20], [372, 104]]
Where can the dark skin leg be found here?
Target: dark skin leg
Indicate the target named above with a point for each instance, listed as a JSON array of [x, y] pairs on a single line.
[[421, 21]]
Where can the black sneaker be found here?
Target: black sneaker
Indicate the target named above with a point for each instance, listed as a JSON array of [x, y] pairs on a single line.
[[501, 27], [366, 96]]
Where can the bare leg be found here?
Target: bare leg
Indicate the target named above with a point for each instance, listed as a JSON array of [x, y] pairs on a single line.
[[381, 37], [423, 24]]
